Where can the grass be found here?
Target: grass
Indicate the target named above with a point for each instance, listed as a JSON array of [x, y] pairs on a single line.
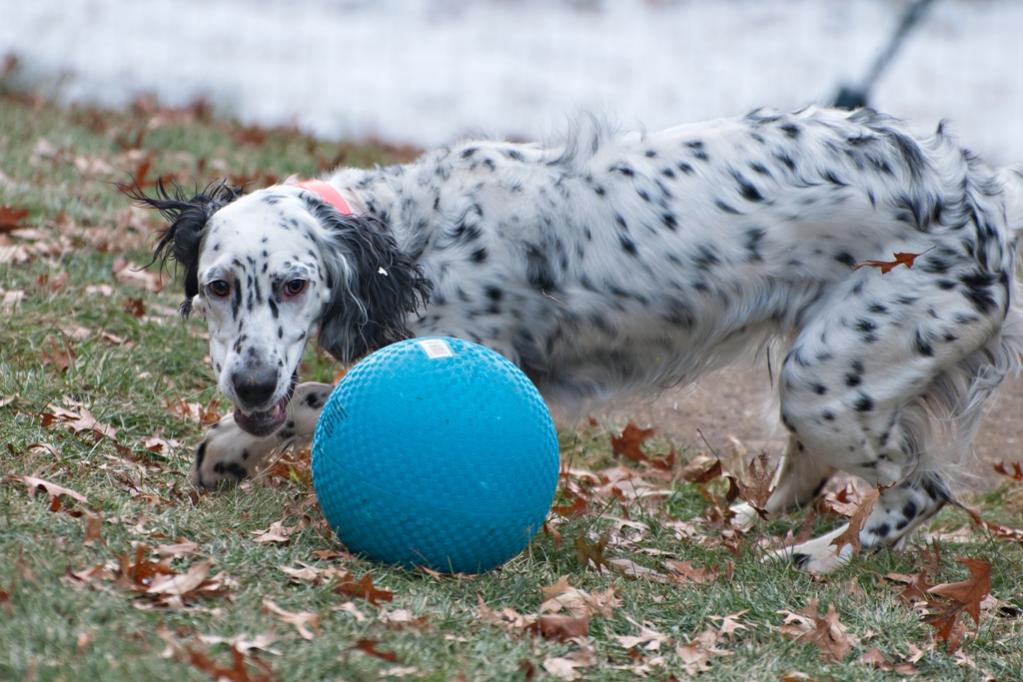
[[60, 163]]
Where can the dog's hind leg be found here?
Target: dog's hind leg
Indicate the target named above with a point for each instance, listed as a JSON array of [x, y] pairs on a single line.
[[886, 383], [227, 454]]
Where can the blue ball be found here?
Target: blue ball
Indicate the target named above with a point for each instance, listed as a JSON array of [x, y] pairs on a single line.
[[435, 452]]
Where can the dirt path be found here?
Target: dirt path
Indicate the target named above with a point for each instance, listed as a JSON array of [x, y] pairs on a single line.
[[736, 402]]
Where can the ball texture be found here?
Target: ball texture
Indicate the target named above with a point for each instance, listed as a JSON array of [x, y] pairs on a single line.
[[435, 452]]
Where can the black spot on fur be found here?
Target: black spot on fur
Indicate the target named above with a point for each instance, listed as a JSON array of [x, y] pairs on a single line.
[[922, 346], [845, 258], [864, 403]]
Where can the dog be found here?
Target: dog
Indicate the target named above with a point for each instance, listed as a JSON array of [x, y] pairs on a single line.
[[609, 263]]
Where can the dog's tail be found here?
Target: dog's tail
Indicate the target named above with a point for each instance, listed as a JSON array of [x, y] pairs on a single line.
[[1011, 179]]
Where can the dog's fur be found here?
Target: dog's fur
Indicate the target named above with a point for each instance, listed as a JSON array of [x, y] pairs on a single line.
[[633, 262]]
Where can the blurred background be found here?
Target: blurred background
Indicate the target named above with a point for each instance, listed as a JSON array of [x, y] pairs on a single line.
[[425, 72], [397, 74]]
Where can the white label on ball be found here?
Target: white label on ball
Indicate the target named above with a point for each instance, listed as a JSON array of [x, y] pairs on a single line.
[[436, 348]]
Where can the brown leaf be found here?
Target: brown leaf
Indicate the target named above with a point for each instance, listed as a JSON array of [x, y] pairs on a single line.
[[587, 553], [563, 596], [567, 667], [901, 258], [369, 646], [827, 633], [135, 275], [690, 573], [61, 356], [93, 530], [181, 548], [874, 658], [629, 444], [996, 529], [79, 420], [134, 307], [238, 672], [971, 592], [851, 535], [699, 471], [52, 489], [183, 584], [757, 490], [578, 507], [302, 620], [277, 532], [347, 585], [561, 628], [11, 217], [1014, 471]]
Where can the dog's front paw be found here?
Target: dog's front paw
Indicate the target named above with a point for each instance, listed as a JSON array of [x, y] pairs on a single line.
[[228, 455]]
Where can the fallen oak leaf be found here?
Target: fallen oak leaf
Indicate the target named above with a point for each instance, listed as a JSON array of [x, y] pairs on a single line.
[[567, 667], [687, 572], [369, 646], [34, 484], [364, 588], [578, 507], [827, 633], [697, 471], [77, 421], [971, 592], [11, 217], [277, 532], [851, 534], [901, 258], [562, 596], [301, 620], [758, 490], [587, 553], [996, 529], [183, 584], [1014, 473], [561, 628], [629, 443]]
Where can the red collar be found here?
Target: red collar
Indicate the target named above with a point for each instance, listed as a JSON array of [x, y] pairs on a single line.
[[324, 191]]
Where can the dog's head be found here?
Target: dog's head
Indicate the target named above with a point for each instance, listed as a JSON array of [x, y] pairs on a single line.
[[272, 268]]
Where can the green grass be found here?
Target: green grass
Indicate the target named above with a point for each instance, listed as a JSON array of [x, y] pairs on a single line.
[[51, 629]]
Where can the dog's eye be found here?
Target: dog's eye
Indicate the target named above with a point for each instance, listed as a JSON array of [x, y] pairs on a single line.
[[218, 288], [294, 287]]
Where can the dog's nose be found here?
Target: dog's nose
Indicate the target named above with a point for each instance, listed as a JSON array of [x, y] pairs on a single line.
[[254, 388]]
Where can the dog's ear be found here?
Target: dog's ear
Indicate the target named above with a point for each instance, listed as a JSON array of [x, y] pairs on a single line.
[[375, 286], [187, 223]]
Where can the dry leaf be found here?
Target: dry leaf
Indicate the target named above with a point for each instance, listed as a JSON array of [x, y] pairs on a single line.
[[277, 532], [901, 258], [851, 535], [78, 421], [561, 628], [827, 633], [1014, 471], [369, 646], [756, 490], [302, 620], [629, 443], [135, 275], [363, 588]]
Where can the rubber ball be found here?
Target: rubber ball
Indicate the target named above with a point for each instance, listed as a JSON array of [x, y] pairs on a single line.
[[435, 452]]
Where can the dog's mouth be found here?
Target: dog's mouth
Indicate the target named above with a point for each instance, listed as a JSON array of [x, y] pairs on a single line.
[[265, 422]]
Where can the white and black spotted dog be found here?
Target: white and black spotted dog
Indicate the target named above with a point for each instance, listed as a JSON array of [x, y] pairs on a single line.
[[634, 262]]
